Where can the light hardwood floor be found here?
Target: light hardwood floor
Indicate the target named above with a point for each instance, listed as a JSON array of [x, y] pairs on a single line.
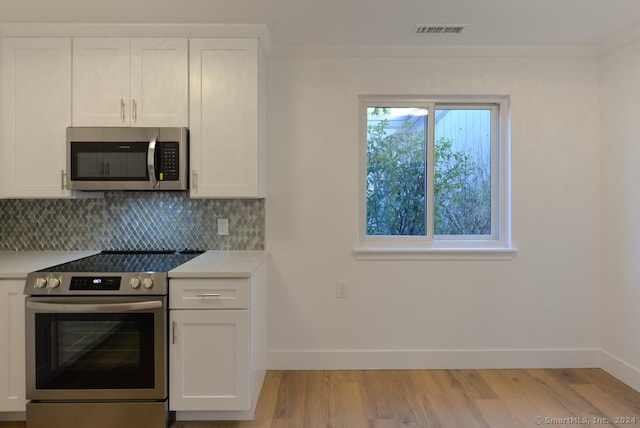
[[438, 398]]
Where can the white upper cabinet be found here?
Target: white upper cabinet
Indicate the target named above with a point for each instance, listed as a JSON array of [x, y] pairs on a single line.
[[227, 118], [130, 82], [160, 82], [36, 83], [101, 82]]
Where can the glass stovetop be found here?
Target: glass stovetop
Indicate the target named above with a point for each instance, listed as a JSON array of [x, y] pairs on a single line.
[[127, 261]]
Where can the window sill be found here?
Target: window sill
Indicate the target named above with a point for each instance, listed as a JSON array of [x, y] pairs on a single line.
[[493, 253]]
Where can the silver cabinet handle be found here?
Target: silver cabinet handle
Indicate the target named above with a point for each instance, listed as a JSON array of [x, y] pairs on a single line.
[[174, 326], [122, 115], [62, 177], [194, 185], [135, 111], [205, 295]]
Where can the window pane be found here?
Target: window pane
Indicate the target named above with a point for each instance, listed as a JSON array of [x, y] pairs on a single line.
[[462, 172], [396, 171]]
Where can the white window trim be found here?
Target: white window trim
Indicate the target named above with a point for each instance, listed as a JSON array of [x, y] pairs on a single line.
[[426, 247]]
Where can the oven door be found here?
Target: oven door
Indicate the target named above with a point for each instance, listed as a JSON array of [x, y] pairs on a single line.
[[105, 348]]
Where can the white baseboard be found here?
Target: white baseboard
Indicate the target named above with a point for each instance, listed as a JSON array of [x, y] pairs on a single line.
[[13, 416], [621, 370], [433, 359], [217, 415]]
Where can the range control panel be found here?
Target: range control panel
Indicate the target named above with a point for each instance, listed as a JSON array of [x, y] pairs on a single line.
[[110, 283], [64, 284]]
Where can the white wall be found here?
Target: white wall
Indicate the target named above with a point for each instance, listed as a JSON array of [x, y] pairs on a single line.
[[620, 136], [540, 309], [1, 117]]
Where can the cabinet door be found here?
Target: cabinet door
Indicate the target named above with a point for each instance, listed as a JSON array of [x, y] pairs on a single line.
[[224, 122], [101, 82], [159, 82], [12, 346], [36, 75], [209, 360]]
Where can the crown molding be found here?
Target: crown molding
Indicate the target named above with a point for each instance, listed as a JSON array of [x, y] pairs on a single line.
[[258, 31], [351, 51]]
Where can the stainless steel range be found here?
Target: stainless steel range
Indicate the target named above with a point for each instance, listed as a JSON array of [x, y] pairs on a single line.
[[96, 332]]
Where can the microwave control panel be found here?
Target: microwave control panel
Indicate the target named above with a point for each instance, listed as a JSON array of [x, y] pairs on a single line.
[[168, 161]]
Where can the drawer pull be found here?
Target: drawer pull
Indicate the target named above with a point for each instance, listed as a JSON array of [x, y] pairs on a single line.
[[205, 295]]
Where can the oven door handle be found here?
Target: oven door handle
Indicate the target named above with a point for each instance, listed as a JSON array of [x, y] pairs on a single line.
[[99, 307]]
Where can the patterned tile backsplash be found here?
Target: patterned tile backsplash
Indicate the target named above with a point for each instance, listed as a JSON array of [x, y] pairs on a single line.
[[131, 221]]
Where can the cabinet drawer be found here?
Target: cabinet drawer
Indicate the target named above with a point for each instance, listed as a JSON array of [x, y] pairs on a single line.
[[223, 293]]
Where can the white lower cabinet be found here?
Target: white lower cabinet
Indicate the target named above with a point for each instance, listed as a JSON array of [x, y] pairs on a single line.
[[12, 346], [217, 356], [210, 360]]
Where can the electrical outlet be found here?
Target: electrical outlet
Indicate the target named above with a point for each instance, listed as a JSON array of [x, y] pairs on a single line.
[[223, 226], [341, 289]]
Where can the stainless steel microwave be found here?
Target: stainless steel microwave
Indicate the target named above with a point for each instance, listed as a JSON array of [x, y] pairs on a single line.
[[127, 158]]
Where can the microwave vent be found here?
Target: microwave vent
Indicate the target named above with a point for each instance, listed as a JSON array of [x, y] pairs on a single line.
[[440, 29]]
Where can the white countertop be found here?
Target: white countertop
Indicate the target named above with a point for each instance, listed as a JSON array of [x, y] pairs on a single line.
[[211, 264], [221, 264], [17, 264]]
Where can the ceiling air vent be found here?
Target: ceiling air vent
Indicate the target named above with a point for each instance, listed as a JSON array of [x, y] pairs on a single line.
[[439, 29]]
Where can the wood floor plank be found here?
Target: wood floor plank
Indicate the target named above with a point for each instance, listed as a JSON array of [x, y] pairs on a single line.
[[457, 410], [287, 423], [379, 395], [522, 398], [290, 400], [498, 414], [542, 396], [266, 406], [624, 394], [390, 396], [416, 407], [472, 384], [553, 399], [560, 387], [435, 399], [349, 411], [319, 384], [430, 381], [617, 413]]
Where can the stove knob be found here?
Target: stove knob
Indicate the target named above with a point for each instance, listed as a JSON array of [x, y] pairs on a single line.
[[54, 283], [134, 283], [147, 282], [40, 282]]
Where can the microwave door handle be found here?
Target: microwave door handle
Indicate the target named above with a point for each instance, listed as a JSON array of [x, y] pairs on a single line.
[[151, 162], [98, 307]]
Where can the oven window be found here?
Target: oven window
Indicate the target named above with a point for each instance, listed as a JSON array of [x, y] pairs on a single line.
[[94, 351]]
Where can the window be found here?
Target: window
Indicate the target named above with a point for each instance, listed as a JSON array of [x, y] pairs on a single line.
[[434, 176]]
